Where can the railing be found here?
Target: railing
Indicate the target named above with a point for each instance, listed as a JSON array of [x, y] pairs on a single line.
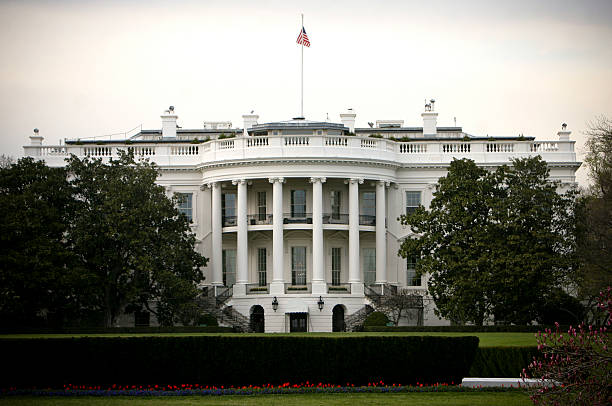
[[257, 289], [462, 148], [410, 148], [229, 221], [226, 144], [296, 141], [257, 219], [500, 147], [366, 220], [368, 143], [544, 147], [291, 288], [335, 218], [222, 294], [142, 151], [339, 288], [302, 218], [257, 142], [184, 150], [97, 151], [336, 141]]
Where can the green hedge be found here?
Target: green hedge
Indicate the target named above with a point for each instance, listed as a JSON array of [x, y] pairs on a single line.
[[120, 330], [500, 362], [461, 329], [234, 360]]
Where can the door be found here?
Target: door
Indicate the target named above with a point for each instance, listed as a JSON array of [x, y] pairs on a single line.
[[338, 318], [297, 322]]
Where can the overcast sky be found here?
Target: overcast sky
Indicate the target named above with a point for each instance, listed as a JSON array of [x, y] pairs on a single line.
[[85, 68]]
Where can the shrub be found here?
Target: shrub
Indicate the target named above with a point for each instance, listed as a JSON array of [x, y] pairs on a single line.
[[376, 319], [500, 362], [234, 360]]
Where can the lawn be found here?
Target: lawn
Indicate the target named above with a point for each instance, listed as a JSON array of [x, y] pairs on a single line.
[[486, 339], [350, 399]]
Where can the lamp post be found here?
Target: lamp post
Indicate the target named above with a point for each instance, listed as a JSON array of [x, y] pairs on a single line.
[[320, 303], [274, 303]]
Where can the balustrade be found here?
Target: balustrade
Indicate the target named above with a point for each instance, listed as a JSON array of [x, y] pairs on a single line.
[[257, 142], [410, 148], [500, 147], [461, 148]]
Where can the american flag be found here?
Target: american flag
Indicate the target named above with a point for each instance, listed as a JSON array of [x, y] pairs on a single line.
[[303, 38]]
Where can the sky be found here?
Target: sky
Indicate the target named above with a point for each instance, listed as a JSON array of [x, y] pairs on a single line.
[[78, 69]]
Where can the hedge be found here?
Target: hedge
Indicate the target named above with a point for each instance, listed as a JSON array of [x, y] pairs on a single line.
[[234, 360], [461, 329], [119, 330], [502, 362]]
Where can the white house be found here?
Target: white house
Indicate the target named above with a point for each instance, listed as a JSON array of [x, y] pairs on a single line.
[[300, 218]]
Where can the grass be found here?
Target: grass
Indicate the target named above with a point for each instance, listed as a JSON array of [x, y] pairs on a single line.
[[486, 339], [351, 399]]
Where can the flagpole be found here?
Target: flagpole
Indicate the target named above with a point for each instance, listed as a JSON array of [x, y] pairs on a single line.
[[302, 73]]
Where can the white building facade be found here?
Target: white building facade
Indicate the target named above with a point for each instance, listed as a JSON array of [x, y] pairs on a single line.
[[300, 218]]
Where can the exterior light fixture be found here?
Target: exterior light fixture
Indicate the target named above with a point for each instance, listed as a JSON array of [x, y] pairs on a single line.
[[274, 303], [320, 303]]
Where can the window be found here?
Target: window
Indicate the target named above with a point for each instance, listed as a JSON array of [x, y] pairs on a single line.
[[261, 266], [228, 209], [298, 203], [261, 206], [369, 265], [413, 200], [298, 265], [336, 265], [185, 204], [369, 204], [229, 267], [336, 200], [412, 279]]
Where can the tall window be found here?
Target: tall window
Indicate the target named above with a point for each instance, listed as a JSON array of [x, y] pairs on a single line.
[[369, 204], [261, 206], [228, 209], [185, 204], [229, 267], [261, 266], [413, 200], [298, 203], [369, 265], [411, 277], [336, 197], [298, 265], [336, 265]]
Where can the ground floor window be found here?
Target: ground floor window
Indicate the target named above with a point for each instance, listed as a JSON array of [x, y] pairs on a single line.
[[412, 279], [298, 322], [229, 267], [336, 265], [369, 265], [261, 266], [298, 265]]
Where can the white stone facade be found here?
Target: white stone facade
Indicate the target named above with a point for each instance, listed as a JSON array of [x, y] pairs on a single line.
[[307, 212]]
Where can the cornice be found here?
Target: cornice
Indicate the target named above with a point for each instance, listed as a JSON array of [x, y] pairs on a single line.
[[281, 161]]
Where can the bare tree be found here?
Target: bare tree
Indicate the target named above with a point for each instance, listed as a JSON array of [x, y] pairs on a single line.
[[6, 161], [405, 303]]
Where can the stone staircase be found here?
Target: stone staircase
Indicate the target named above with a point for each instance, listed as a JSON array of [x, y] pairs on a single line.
[[213, 302], [353, 321]]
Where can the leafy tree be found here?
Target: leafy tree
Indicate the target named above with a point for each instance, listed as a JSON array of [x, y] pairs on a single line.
[[38, 273], [495, 244], [595, 227], [131, 239]]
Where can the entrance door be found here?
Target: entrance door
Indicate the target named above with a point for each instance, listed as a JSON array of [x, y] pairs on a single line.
[[257, 319], [338, 318], [297, 322]]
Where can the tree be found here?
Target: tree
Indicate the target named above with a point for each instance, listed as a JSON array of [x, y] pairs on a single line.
[[494, 244], [38, 273], [131, 239], [595, 227], [403, 303]]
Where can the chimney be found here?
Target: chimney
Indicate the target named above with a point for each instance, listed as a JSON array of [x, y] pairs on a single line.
[[249, 120], [564, 133], [430, 119], [348, 119], [36, 138], [169, 123]]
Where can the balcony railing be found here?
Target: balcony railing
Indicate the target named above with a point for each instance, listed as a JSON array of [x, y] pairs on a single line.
[[335, 218], [367, 220], [291, 288], [257, 289], [230, 221], [339, 288], [259, 219], [301, 218]]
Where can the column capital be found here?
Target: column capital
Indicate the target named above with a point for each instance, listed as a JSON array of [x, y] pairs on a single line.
[[354, 181], [239, 182], [431, 186], [274, 180], [318, 179], [212, 185]]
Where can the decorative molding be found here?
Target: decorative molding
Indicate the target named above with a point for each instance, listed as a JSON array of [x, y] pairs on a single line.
[[353, 181], [318, 179], [273, 180], [239, 182]]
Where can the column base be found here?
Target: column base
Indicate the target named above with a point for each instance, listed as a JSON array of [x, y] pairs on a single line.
[[239, 289], [277, 288], [319, 288], [357, 288]]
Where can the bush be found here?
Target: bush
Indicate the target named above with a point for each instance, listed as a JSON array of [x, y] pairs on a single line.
[[500, 362], [207, 320], [456, 329], [234, 360], [376, 319]]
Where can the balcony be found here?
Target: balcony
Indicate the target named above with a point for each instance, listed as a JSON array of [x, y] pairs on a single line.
[[335, 218], [367, 220], [259, 219], [297, 218], [297, 289]]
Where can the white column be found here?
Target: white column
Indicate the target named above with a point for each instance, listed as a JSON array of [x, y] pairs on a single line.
[[217, 270], [319, 286], [381, 233], [242, 240], [354, 272], [277, 286]]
